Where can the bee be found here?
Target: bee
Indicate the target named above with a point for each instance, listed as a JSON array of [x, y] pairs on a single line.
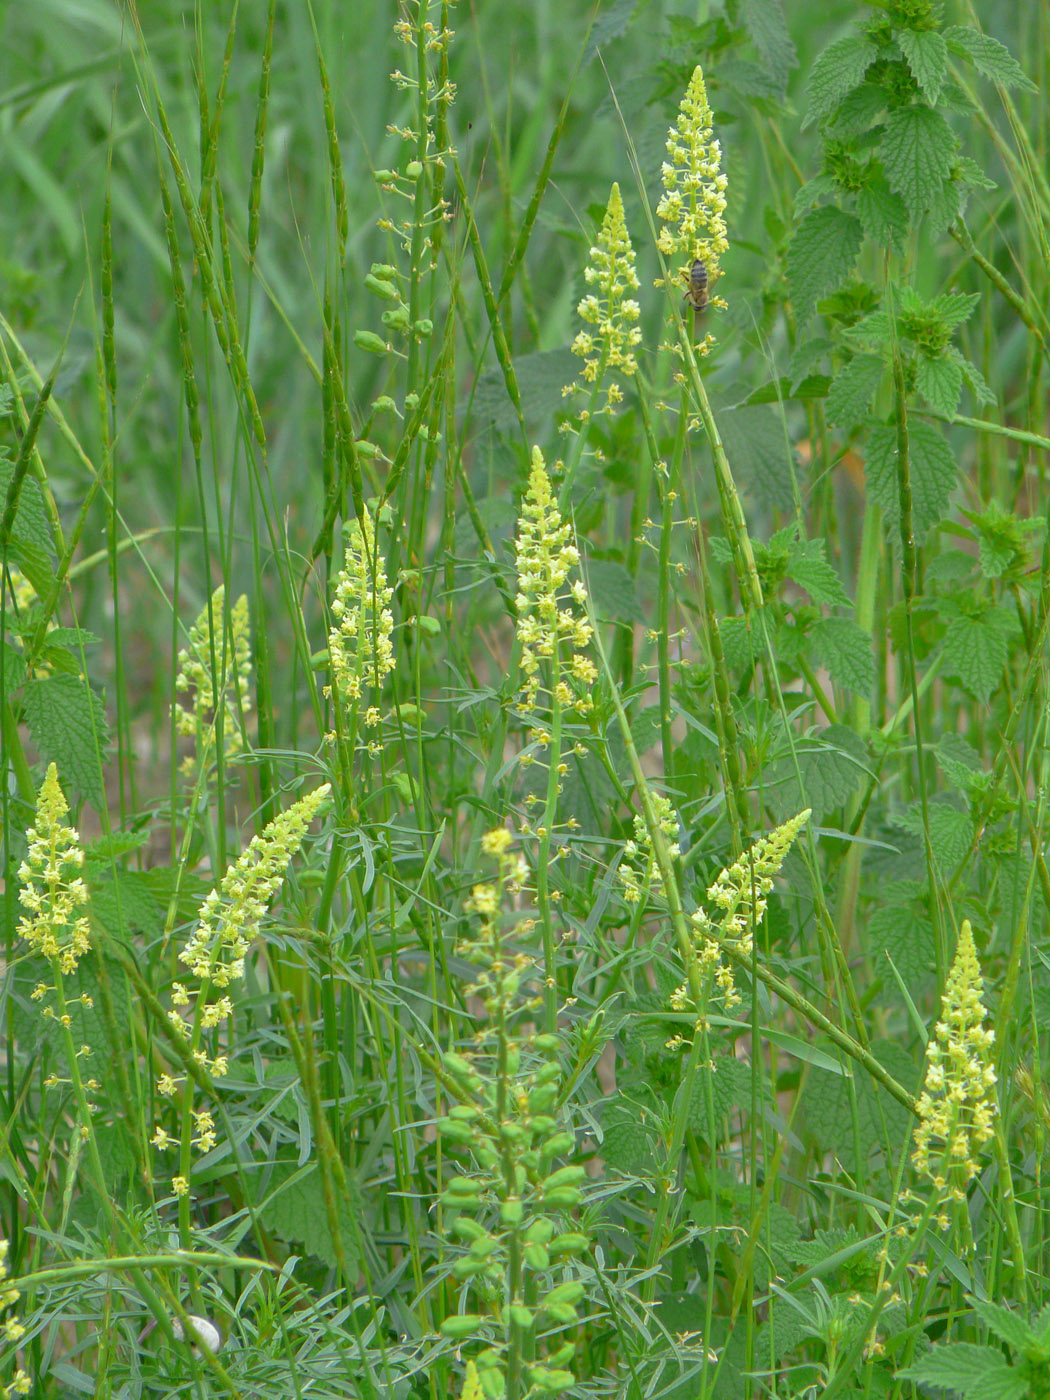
[[696, 296]]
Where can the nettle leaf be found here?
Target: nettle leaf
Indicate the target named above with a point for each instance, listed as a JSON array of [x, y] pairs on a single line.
[[927, 57], [978, 385], [907, 936], [838, 70], [988, 56], [951, 830], [832, 762], [741, 642], [68, 725], [613, 591], [975, 650], [762, 457], [883, 214], [959, 761], [1008, 1326], [939, 380], [845, 649], [917, 151], [809, 568], [298, 1212], [764, 21], [14, 668], [933, 474], [853, 390], [955, 308], [944, 208], [821, 256], [976, 1373]]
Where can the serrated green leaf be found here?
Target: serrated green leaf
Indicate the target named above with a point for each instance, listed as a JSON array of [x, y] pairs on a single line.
[[741, 642], [944, 207], [808, 567], [820, 257], [846, 650], [68, 725], [988, 56], [14, 668], [917, 151], [907, 936], [883, 215], [839, 68], [626, 1146], [762, 458], [939, 380], [926, 54], [833, 763], [955, 308], [608, 25], [974, 1372], [933, 475], [30, 524], [979, 386], [853, 390], [613, 591], [959, 761], [1008, 1326], [295, 1210], [975, 650], [951, 832], [764, 21], [540, 377], [718, 1088]]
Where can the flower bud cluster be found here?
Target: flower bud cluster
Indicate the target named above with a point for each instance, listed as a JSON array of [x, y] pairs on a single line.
[[641, 849], [509, 1202], [692, 208], [53, 893], [216, 664], [360, 650], [739, 896], [610, 308], [552, 626], [957, 1106]]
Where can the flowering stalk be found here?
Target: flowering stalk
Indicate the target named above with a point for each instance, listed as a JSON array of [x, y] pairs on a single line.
[[507, 1206], [957, 1107], [216, 665], [550, 621], [360, 652], [12, 1331], [228, 922]]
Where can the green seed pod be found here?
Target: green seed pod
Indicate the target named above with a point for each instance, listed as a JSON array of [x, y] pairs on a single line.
[[462, 1112], [397, 319], [382, 289], [540, 1231], [572, 1242], [368, 340], [384, 270], [483, 1246], [563, 1355], [512, 1132], [455, 1132], [385, 404], [414, 169], [571, 1291], [567, 1176], [458, 1329], [467, 1229], [536, 1256], [543, 1098], [366, 449], [424, 328], [559, 1143], [488, 1359], [521, 1315], [384, 177], [563, 1197], [547, 1043], [552, 1382], [512, 1212], [464, 1269], [543, 1125], [562, 1313], [457, 1065], [464, 1186], [492, 1384]]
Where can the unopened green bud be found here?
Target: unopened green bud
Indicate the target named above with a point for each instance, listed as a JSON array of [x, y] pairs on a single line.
[[493, 1384], [543, 1124], [571, 1291], [468, 1268], [455, 1132], [548, 1073], [562, 1355], [467, 1186], [414, 169], [464, 1113], [547, 1042], [566, 1176], [536, 1256], [457, 1065], [559, 1143], [543, 1098], [468, 1229], [520, 1315]]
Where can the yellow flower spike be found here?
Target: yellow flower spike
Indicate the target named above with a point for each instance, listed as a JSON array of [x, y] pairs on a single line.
[[547, 602], [230, 646], [692, 208], [52, 890], [957, 1106], [472, 1384], [609, 308]]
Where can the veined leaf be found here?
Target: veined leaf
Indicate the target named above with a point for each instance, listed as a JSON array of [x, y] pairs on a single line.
[[926, 54], [917, 150], [988, 56], [838, 69], [976, 1373], [821, 255], [933, 474], [853, 390]]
